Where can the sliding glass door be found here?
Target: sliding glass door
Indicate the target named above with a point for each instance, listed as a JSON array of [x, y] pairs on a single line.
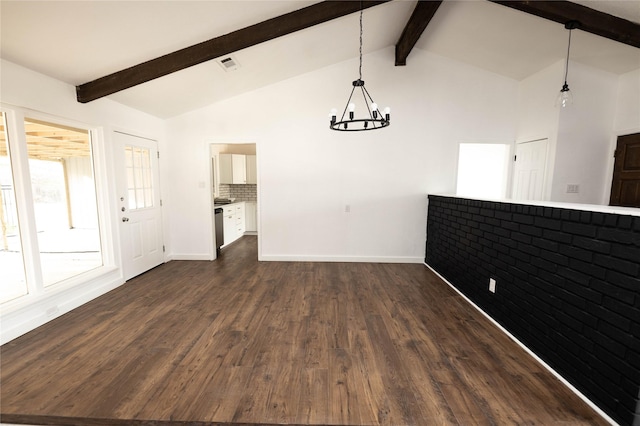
[[49, 216]]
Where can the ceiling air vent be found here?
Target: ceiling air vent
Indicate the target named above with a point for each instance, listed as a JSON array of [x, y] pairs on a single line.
[[228, 63]]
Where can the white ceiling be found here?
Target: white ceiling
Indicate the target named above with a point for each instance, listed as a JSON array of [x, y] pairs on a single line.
[[79, 41]]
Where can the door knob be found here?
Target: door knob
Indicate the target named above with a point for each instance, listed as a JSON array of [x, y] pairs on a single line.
[[125, 219]]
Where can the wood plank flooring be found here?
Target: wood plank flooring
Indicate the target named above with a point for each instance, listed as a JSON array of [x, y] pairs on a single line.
[[236, 341]]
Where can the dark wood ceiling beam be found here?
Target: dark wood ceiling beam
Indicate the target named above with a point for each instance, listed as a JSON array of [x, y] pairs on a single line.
[[219, 46], [593, 21], [416, 25]]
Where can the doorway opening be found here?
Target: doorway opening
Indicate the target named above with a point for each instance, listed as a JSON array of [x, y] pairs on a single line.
[[483, 170], [530, 170], [234, 191], [625, 186]]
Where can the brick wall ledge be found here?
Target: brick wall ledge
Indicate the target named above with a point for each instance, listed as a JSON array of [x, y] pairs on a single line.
[[629, 211]]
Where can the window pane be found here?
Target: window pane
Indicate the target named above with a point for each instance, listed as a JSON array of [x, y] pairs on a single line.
[[64, 197], [128, 155], [147, 178], [140, 197], [148, 199], [13, 283], [139, 179]]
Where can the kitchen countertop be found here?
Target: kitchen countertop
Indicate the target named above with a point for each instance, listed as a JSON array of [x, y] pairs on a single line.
[[215, 206]]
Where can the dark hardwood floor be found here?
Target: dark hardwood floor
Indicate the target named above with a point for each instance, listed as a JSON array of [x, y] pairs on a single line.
[[240, 342]]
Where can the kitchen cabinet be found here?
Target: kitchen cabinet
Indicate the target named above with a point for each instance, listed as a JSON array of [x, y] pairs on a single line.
[[233, 168], [239, 168], [251, 169], [233, 222], [229, 224], [251, 216], [239, 220]]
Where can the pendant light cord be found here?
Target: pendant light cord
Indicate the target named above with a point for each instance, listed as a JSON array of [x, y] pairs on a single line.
[[566, 67]]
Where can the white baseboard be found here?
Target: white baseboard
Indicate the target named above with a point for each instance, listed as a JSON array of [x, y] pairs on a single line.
[[192, 256], [529, 351], [347, 259]]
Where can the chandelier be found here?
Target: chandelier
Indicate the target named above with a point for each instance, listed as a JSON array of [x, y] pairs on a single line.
[[375, 118]]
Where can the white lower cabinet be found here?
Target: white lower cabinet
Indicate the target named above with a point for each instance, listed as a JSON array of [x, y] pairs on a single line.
[[251, 216], [239, 218], [229, 224], [233, 222]]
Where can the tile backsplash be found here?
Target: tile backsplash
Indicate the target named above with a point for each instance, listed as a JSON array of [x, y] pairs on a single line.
[[239, 192]]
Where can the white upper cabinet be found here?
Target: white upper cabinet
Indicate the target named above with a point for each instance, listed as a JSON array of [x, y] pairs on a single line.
[[224, 163], [252, 175], [233, 168], [239, 168]]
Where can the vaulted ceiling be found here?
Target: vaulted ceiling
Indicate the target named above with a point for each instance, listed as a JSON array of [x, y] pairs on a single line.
[[80, 41]]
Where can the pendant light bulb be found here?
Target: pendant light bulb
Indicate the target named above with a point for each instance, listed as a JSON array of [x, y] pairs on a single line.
[[565, 98]]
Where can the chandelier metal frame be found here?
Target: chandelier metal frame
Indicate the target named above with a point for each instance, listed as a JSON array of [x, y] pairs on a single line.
[[375, 120]]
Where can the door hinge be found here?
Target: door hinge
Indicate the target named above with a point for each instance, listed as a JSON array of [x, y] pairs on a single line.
[[615, 153], [161, 202], [158, 154], [163, 249], [515, 157]]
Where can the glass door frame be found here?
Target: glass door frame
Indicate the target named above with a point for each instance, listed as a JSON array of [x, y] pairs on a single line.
[[18, 151]]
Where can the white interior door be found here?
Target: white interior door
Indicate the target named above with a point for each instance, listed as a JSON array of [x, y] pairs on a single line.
[[139, 203], [529, 170]]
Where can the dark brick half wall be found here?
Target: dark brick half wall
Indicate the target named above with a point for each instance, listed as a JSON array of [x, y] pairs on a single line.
[[568, 286]]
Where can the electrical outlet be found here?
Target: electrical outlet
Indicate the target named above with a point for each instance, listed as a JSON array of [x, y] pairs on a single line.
[[492, 285], [573, 188]]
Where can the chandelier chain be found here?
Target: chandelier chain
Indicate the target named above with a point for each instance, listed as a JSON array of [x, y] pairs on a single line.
[[360, 68]]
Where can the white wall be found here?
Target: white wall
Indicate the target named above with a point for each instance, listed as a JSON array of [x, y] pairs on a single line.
[[628, 103], [38, 94], [538, 118], [584, 134], [627, 120], [308, 173], [579, 135]]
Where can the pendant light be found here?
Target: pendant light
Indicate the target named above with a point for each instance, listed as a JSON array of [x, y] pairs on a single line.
[[565, 97], [375, 118]]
